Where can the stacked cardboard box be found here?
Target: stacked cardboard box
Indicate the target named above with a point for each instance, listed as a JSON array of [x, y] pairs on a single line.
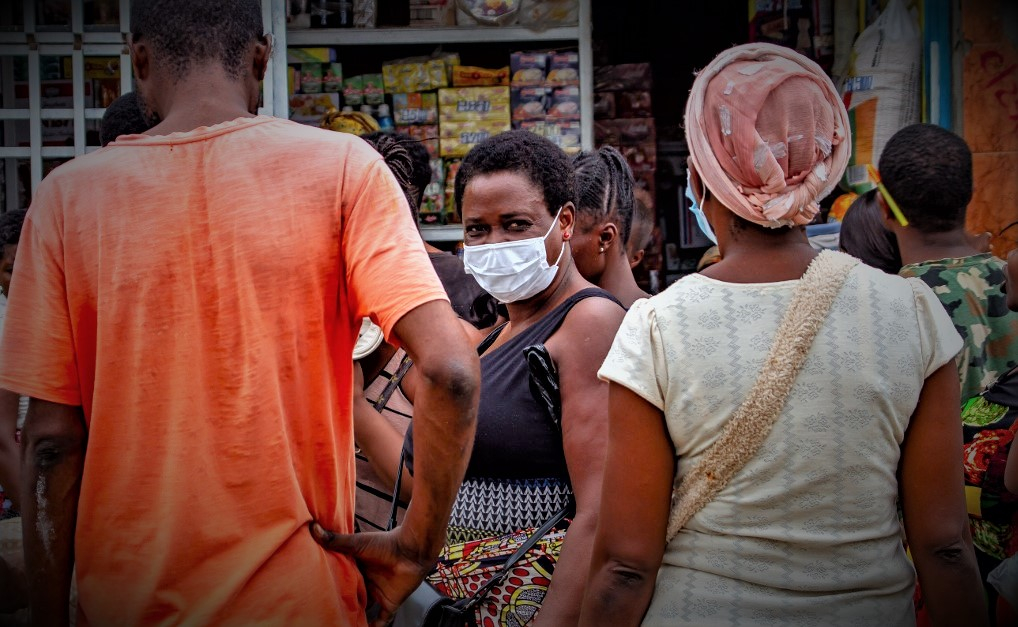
[[623, 117], [546, 96]]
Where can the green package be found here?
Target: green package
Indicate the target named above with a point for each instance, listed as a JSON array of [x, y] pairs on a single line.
[[333, 80], [374, 89]]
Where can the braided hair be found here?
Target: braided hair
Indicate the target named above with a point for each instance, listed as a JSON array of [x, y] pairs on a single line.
[[412, 174], [10, 226], [604, 185]]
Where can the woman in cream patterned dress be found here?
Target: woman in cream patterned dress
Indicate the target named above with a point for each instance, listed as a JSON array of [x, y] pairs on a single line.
[[807, 531]]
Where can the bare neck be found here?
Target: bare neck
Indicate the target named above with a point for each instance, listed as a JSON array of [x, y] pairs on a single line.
[[917, 247], [206, 96], [755, 257], [618, 281]]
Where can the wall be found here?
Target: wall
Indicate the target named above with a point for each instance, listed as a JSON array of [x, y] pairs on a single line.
[[989, 69]]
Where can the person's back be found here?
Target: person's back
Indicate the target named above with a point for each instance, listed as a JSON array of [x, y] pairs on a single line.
[[811, 516], [212, 291], [191, 305], [928, 171]]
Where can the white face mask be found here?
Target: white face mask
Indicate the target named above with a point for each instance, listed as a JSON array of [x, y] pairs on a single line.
[[513, 271]]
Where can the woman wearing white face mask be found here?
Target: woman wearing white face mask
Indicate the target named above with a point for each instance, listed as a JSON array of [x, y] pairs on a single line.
[[531, 457]]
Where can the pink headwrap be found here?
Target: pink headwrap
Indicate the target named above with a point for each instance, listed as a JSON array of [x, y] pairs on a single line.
[[767, 133]]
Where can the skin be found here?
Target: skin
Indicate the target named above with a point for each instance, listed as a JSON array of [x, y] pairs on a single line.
[[628, 548], [504, 207], [917, 247], [393, 563], [10, 451], [601, 258]]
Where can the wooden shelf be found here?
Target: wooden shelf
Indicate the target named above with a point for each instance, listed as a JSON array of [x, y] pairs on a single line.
[[438, 35], [442, 233]]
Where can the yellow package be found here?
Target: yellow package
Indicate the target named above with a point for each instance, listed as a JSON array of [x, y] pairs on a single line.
[[470, 76], [479, 104], [457, 138]]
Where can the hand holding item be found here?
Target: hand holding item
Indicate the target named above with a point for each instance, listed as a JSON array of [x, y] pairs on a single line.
[[392, 564]]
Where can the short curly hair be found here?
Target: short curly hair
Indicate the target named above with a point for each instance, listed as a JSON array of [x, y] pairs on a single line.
[[189, 33], [521, 152], [124, 116], [10, 226], [604, 188], [928, 172]]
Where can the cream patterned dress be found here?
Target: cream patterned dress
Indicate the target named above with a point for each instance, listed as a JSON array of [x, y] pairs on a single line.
[[807, 532]]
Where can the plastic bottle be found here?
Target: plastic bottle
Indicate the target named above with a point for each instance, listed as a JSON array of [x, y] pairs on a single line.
[[347, 109], [368, 110], [385, 122]]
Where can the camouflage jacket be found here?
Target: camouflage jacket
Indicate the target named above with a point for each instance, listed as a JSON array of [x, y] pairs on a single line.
[[970, 290]]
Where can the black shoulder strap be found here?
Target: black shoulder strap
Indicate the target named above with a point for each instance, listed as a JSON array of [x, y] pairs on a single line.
[[471, 601]]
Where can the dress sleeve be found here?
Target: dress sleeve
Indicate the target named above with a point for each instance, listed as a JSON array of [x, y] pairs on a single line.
[[37, 351], [388, 272], [940, 342], [637, 356]]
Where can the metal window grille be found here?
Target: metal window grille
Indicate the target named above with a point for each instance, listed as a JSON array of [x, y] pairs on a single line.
[[27, 48]]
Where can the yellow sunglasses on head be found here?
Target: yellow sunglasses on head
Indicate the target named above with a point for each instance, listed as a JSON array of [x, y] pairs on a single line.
[[895, 209]]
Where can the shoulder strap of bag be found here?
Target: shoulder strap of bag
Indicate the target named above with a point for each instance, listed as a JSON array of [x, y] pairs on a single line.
[[520, 553], [742, 437]]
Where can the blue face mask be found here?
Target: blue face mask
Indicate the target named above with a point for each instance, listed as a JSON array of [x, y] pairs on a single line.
[[701, 219]]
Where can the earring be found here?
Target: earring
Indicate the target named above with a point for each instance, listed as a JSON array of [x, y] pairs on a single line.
[[566, 236], [602, 250]]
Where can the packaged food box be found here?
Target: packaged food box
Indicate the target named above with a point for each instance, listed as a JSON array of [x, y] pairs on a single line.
[[374, 90], [416, 108], [625, 132], [412, 75], [310, 55], [466, 104], [457, 138], [292, 79], [311, 78], [427, 134], [470, 76], [310, 108], [430, 13], [353, 91], [434, 194], [633, 104], [564, 68], [332, 81], [543, 14], [528, 68], [487, 12], [529, 103], [604, 105], [566, 135], [452, 166], [625, 77], [564, 103]]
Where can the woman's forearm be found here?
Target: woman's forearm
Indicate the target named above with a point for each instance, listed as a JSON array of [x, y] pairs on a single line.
[[561, 606], [381, 443]]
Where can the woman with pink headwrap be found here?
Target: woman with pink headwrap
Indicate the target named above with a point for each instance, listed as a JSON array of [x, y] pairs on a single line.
[[799, 524]]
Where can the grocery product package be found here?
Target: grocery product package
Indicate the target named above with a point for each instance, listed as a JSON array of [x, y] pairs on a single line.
[[542, 14], [528, 68], [463, 104], [882, 91], [470, 76], [415, 108], [487, 12], [459, 137], [432, 13]]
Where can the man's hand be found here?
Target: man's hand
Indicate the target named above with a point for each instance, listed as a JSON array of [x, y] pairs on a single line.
[[392, 565]]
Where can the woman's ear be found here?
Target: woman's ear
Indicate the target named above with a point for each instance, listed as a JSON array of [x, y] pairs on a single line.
[[608, 237], [567, 220]]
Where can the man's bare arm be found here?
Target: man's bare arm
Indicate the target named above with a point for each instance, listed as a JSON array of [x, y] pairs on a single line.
[[52, 463]]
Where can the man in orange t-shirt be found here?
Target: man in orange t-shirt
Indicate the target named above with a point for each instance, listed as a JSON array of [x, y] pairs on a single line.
[[183, 317]]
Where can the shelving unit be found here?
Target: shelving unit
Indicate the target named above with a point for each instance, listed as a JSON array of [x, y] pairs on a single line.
[[442, 233], [580, 35]]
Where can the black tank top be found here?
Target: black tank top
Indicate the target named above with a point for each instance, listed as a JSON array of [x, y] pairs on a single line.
[[516, 438]]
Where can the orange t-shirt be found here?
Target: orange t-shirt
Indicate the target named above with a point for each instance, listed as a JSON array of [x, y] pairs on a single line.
[[199, 295]]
